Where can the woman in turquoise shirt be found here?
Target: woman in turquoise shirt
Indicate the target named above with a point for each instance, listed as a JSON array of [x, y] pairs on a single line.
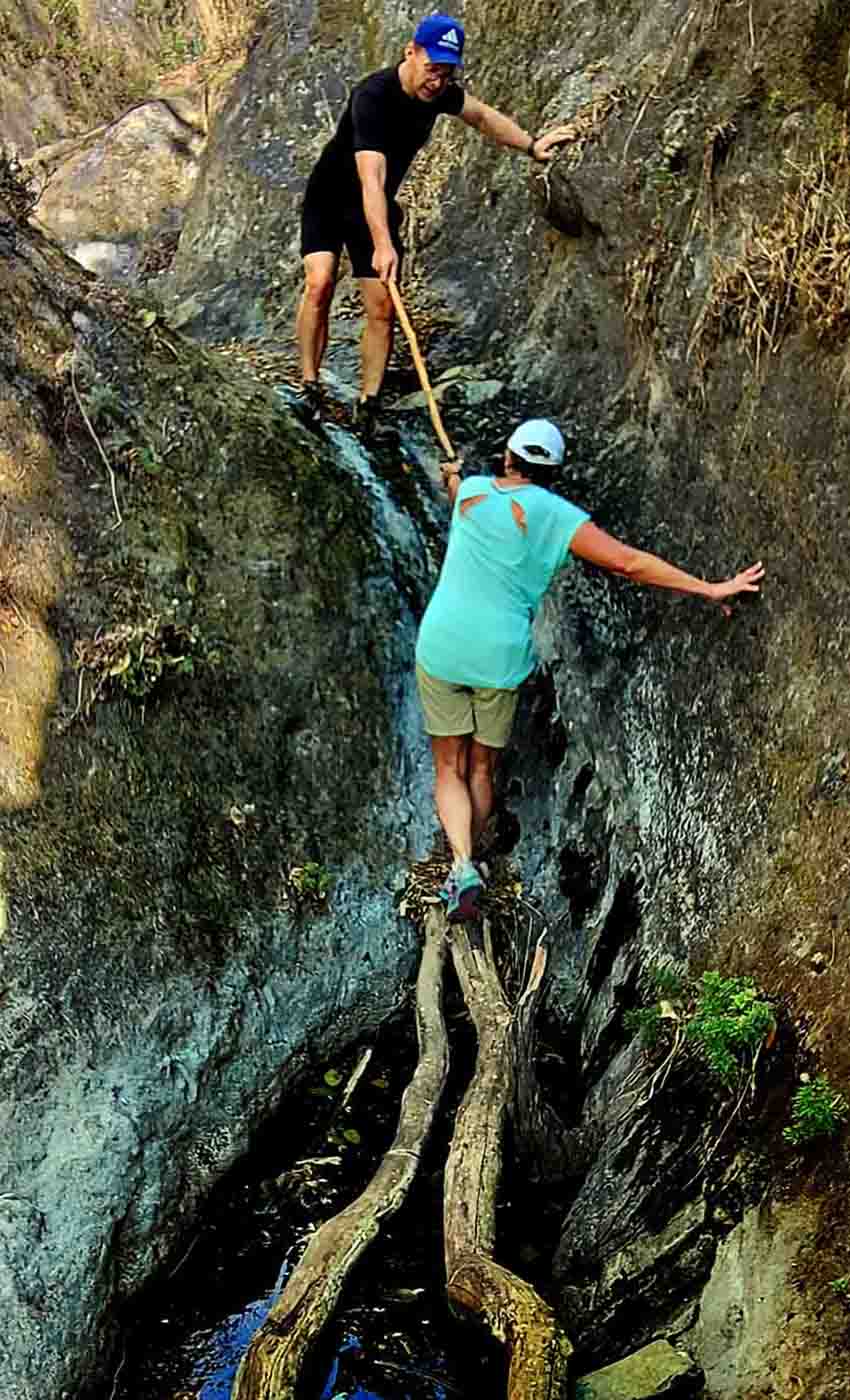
[[508, 537]]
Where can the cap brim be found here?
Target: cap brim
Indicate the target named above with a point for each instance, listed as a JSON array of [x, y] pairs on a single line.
[[537, 459], [438, 55]]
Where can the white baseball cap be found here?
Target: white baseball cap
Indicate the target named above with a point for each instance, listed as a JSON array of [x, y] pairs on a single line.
[[537, 440]]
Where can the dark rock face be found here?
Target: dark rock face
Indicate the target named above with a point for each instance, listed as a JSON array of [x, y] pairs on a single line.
[[162, 974], [239, 256]]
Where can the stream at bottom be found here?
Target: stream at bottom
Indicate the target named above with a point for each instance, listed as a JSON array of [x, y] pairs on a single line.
[[392, 1336]]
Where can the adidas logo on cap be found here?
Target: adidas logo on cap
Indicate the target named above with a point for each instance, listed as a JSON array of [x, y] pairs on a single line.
[[442, 36]]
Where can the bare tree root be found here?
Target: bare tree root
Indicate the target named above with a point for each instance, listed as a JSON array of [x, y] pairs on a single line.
[[541, 1143], [538, 1350], [270, 1368]]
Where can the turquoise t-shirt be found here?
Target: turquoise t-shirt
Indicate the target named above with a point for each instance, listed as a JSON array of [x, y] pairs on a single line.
[[505, 543]]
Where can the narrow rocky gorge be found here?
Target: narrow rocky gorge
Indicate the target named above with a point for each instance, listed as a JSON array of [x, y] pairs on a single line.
[[212, 694]]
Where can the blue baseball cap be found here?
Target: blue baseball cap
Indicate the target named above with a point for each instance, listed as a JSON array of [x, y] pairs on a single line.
[[442, 39]]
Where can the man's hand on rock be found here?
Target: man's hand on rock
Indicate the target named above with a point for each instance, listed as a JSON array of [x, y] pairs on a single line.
[[545, 147]]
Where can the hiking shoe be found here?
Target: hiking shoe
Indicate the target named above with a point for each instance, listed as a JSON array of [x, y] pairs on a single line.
[[463, 900], [447, 890], [311, 401], [365, 417]]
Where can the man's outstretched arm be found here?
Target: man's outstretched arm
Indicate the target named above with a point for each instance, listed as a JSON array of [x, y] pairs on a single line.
[[597, 547], [506, 132]]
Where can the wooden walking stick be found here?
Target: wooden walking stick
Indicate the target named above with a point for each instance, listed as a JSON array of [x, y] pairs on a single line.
[[445, 441]]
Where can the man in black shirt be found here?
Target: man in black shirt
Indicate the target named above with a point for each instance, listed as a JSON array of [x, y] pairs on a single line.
[[350, 196]]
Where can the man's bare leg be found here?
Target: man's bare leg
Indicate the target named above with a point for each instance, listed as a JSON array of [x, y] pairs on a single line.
[[451, 792], [481, 772], [311, 325], [377, 340]]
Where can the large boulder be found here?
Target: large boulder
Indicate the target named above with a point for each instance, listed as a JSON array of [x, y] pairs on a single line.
[[66, 69], [208, 677], [112, 194]]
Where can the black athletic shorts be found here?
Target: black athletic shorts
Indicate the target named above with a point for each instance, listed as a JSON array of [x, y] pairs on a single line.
[[326, 227]]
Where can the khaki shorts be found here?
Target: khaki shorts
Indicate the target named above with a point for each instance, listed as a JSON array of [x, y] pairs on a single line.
[[452, 710]]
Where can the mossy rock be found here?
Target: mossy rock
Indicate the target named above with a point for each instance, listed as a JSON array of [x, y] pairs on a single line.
[[233, 647]]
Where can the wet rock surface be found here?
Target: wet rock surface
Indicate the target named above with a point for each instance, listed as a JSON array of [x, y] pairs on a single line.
[[206, 884]]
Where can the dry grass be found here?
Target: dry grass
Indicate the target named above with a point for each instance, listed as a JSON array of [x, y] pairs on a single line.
[[102, 73], [131, 658], [227, 25], [641, 300], [421, 893], [20, 191], [587, 125], [716, 145], [794, 270], [100, 78], [422, 198]]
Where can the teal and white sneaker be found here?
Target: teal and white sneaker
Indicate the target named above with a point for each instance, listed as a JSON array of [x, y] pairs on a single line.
[[447, 890], [462, 904]]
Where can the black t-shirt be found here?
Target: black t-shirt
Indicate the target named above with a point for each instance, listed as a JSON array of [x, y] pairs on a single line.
[[379, 116]]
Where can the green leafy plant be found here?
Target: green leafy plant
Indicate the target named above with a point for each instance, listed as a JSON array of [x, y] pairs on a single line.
[[841, 1287], [311, 880], [104, 403], [717, 1025], [728, 1023], [817, 1110], [148, 460], [666, 980], [647, 1022], [722, 1019]]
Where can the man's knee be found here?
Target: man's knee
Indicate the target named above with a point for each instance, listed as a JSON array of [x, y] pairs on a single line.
[[378, 306], [318, 288]]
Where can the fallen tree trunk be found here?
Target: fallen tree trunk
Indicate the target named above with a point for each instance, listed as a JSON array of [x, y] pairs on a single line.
[[270, 1368], [537, 1348]]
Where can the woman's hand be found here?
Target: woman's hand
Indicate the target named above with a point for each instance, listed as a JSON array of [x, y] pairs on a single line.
[[745, 582]]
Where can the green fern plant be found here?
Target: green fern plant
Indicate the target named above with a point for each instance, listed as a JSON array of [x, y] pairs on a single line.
[[647, 1022], [817, 1110], [728, 1023]]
